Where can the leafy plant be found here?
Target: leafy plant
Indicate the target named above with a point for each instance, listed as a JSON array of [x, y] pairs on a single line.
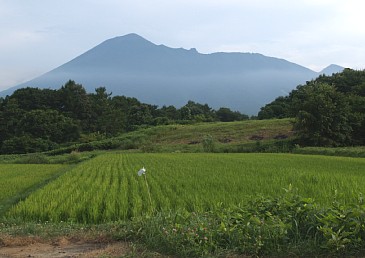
[[208, 143]]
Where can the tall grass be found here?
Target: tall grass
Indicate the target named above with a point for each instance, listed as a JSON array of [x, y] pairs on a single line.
[[358, 152]]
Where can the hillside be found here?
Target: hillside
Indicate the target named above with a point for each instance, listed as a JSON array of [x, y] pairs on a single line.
[[190, 137], [156, 74], [243, 136]]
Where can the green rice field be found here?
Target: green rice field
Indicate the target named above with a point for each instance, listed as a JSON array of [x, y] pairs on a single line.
[[16, 180], [107, 188]]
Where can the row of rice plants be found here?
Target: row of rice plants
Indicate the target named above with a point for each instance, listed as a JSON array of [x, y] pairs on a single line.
[[107, 188], [15, 179], [199, 181], [97, 191]]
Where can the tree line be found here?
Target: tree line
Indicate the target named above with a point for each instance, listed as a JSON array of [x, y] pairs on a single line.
[[33, 119], [328, 111]]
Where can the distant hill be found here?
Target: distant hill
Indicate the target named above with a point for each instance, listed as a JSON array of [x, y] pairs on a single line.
[[329, 70], [133, 66]]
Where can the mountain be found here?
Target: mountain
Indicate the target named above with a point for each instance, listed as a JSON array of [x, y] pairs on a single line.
[[133, 66], [329, 70]]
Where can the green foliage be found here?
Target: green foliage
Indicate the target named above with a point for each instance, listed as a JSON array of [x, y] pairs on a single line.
[[323, 117], [356, 152], [185, 113], [62, 116], [208, 143], [329, 110], [349, 81], [74, 101], [35, 98], [227, 115], [26, 144], [49, 124], [199, 112], [287, 224], [279, 108], [33, 158]]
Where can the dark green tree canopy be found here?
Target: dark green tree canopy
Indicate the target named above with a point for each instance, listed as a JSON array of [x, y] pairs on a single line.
[[329, 111], [227, 115], [323, 116], [33, 119]]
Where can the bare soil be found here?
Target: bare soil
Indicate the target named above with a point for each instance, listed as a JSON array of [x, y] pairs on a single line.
[[61, 247]]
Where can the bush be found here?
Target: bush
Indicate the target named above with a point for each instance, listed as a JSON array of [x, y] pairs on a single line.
[[73, 157], [288, 225], [339, 151], [26, 144], [37, 158], [208, 143]]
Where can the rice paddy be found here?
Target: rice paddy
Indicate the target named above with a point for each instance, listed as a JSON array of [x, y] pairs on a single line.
[[16, 180], [107, 188]]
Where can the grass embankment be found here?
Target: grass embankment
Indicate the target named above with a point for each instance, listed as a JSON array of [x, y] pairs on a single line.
[[270, 136], [240, 136], [44, 158], [226, 136]]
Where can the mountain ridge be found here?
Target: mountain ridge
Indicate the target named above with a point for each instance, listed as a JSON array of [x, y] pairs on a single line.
[[133, 66]]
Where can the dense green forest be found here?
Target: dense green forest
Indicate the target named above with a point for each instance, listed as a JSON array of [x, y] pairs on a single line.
[[34, 119], [328, 111]]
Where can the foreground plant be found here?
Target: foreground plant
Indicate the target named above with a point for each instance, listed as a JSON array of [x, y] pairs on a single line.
[[289, 224]]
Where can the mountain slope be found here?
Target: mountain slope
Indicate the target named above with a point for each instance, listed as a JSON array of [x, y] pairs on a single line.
[[131, 65]]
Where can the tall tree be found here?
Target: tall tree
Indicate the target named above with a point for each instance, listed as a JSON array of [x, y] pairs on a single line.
[[323, 117], [10, 116], [50, 125], [75, 101], [227, 115], [35, 98]]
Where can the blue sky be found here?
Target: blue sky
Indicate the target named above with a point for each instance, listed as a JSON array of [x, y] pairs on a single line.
[[39, 35]]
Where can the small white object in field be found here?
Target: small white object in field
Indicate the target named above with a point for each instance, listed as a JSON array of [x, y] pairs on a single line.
[[142, 171]]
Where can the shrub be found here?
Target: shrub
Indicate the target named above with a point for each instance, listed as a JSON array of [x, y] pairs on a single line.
[[26, 144], [208, 143], [36, 158], [289, 224]]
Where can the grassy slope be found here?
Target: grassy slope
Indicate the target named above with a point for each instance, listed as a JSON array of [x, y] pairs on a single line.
[[189, 137], [228, 137]]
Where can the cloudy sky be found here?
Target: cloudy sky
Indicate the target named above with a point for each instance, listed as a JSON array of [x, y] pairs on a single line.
[[39, 35]]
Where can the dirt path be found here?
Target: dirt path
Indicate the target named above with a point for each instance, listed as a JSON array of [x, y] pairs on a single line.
[[22, 247]]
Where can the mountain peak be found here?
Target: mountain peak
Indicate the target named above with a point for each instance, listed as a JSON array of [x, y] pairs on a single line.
[[333, 68], [115, 48], [131, 38]]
